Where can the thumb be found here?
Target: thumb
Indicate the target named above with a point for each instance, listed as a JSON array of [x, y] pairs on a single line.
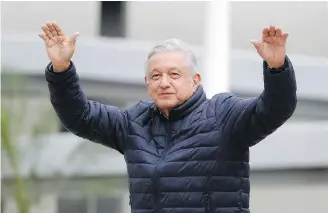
[[257, 44], [73, 38]]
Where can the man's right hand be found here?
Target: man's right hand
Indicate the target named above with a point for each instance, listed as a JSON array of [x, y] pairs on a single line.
[[60, 48]]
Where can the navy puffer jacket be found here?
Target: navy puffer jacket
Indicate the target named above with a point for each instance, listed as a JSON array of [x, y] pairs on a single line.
[[194, 161]]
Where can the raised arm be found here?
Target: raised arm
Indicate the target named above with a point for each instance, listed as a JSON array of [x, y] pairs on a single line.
[[85, 118], [254, 119]]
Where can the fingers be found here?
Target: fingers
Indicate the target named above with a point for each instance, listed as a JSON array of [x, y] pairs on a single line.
[[257, 44], [278, 32], [272, 31], [73, 38], [52, 29], [284, 36], [265, 32], [44, 38], [47, 32], [59, 30]]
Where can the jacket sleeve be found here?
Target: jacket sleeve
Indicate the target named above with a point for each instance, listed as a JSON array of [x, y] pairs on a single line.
[[258, 117], [87, 119]]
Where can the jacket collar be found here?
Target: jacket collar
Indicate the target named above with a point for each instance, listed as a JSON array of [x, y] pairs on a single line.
[[185, 108]]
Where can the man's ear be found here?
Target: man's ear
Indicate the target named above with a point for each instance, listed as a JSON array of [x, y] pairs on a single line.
[[197, 79], [146, 81]]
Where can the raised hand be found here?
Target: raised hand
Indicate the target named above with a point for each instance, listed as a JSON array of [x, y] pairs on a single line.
[[272, 48], [60, 48]]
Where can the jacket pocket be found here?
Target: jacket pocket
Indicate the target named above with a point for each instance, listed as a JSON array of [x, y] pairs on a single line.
[[207, 202]]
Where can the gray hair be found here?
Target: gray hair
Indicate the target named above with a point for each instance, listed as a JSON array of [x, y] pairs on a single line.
[[174, 45]]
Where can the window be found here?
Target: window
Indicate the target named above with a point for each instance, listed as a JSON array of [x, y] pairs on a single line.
[[69, 205], [112, 18], [109, 204], [90, 205]]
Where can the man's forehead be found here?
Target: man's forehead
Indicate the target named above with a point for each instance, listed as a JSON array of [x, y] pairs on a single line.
[[168, 56], [165, 69], [167, 61]]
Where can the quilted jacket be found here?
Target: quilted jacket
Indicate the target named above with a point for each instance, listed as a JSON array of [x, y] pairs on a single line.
[[194, 161]]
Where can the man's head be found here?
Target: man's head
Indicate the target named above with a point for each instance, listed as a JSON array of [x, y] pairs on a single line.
[[171, 74]]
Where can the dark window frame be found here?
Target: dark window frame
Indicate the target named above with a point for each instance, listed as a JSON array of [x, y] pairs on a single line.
[[112, 18]]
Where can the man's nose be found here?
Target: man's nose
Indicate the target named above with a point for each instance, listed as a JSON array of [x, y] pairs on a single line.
[[165, 81]]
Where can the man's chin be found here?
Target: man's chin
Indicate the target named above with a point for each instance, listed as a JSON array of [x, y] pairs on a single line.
[[166, 104]]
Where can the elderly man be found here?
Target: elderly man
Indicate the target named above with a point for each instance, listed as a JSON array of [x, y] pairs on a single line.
[[184, 153]]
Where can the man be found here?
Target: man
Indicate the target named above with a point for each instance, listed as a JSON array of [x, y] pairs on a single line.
[[184, 152]]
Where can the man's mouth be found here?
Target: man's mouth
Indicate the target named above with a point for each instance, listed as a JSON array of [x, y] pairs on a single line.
[[166, 93]]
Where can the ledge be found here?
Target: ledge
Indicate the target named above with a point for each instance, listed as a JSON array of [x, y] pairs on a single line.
[[103, 58]]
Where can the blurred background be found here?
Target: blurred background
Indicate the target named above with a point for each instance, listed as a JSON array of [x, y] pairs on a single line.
[[45, 169]]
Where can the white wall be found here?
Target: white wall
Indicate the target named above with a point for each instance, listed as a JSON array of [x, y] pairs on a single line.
[[162, 20], [307, 23], [103, 59], [153, 21], [28, 16], [304, 21], [289, 198]]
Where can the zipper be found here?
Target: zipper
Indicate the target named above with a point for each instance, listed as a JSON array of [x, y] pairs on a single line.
[[156, 189], [168, 137], [207, 200]]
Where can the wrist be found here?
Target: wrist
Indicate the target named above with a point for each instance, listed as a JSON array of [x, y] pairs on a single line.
[[60, 67], [275, 65]]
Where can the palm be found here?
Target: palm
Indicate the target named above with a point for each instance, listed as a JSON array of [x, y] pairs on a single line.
[[60, 48], [272, 48]]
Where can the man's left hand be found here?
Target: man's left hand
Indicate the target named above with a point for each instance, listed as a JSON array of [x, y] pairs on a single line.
[[272, 48]]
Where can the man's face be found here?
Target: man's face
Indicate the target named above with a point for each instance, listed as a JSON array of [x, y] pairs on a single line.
[[169, 80]]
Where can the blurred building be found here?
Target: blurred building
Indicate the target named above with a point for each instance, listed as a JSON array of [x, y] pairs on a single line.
[[289, 167]]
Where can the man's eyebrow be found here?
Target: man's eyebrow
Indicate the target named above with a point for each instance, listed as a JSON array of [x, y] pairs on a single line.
[[154, 70], [174, 69]]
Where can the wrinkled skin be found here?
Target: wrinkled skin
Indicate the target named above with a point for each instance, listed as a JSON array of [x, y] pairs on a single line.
[[170, 80]]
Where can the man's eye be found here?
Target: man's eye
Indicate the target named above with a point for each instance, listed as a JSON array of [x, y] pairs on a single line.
[[175, 75], [155, 76]]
